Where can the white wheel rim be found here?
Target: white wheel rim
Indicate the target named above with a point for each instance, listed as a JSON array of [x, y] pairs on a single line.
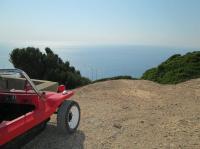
[[73, 117]]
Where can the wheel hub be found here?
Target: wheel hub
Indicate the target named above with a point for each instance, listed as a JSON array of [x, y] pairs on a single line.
[[73, 117]]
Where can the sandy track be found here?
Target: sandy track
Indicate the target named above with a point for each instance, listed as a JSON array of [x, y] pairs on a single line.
[[131, 115]]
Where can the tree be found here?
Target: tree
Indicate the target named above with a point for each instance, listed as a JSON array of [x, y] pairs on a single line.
[[47, 66]]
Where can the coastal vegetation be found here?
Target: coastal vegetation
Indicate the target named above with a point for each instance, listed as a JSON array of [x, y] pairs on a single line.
[[115, 78], [47, 66], [176, 69]]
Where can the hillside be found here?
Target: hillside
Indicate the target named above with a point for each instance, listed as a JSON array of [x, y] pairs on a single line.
[[131, 114], [178, 68]]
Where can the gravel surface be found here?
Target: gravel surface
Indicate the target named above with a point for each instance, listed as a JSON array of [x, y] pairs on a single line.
[[131, 114]]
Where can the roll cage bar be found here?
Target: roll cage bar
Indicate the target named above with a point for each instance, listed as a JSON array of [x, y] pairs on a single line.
[[21, 72]]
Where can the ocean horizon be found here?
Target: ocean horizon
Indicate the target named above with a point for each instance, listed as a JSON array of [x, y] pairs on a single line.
[[96, 62]]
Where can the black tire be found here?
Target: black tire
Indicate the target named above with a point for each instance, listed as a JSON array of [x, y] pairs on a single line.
[[64, 116]]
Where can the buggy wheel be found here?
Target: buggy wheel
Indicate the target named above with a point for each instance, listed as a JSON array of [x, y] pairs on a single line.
[[68, 116]]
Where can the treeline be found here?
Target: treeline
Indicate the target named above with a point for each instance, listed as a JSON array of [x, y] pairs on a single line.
[[176, 69], [47, 66]]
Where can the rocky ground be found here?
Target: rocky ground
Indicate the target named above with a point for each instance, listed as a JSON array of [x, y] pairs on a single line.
[[129, 114]]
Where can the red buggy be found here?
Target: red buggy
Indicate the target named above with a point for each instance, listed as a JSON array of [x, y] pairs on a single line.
[[26, 106]]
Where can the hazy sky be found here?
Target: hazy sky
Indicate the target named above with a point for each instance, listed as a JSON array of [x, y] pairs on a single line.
[[142, 22]]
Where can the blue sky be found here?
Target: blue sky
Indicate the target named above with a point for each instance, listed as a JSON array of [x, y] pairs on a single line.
[[70, 22]]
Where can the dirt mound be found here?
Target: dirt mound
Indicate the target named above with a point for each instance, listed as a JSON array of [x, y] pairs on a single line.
[[131, 114]]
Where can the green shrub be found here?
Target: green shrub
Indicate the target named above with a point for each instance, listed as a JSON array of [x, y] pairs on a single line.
[[115, 78], [175, 69]]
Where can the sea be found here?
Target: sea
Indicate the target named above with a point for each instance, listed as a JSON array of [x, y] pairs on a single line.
[[96, 62]]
